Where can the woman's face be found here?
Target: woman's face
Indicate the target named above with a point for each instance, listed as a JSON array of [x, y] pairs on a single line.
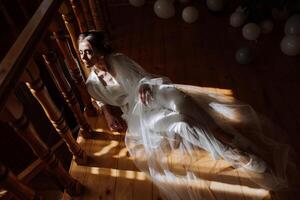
[[87, 54]]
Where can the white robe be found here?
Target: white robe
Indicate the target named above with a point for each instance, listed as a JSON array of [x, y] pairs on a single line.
[[176, 121]]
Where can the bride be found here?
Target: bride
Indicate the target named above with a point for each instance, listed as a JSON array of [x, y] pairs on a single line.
[[160, 118]]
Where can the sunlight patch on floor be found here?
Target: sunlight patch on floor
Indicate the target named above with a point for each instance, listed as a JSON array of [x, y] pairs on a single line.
[[106, 149], [128, 174]]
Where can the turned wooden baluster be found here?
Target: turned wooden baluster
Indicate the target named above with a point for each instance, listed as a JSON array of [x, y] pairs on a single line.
[[66, 89], [96, 13], [13, 113], [10, 182], [73, 67], [68, 18], [87, 14], [79, 15], [40, 92]]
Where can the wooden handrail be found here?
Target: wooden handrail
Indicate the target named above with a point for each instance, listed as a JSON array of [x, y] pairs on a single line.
[[13, 64]]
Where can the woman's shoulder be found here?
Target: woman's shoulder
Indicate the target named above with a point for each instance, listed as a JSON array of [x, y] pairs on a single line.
[[119, 57], [122, 64], [116, 55], [123, 61], [92, 78]]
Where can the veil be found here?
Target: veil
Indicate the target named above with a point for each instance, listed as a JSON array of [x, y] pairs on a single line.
[[171, 139]]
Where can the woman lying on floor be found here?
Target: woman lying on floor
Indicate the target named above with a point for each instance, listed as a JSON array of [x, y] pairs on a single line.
[[161, 119]]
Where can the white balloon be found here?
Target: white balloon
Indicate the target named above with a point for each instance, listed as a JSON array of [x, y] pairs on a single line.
[[164, 9], [215, 5], [251, 31], [290, 45], [266, 26], [244, 55], [292, 25], [190, 14], [237, 19], [137, 3]]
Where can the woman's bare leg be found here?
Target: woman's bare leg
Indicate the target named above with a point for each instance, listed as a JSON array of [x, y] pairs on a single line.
[[245, 156]]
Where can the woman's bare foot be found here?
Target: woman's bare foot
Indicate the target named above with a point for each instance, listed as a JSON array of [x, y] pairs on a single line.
[[247, 161], [255, 164]]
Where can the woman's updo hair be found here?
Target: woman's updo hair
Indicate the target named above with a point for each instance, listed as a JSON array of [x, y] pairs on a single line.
[[97, 40]]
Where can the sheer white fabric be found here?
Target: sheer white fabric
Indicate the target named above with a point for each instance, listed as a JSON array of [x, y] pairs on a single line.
[[180, 120]]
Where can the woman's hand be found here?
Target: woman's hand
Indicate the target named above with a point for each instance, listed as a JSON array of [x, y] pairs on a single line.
[[113, 118], [116, 123], [145, 94]]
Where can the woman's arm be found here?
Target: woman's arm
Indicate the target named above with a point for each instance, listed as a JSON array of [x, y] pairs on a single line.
[[112, 115]]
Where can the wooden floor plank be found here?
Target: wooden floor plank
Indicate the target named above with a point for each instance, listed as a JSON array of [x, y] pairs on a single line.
[[99, 176], [134, 185]]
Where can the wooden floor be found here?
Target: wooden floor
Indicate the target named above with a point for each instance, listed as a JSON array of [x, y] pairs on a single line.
[[111, 173], [199, 54]]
